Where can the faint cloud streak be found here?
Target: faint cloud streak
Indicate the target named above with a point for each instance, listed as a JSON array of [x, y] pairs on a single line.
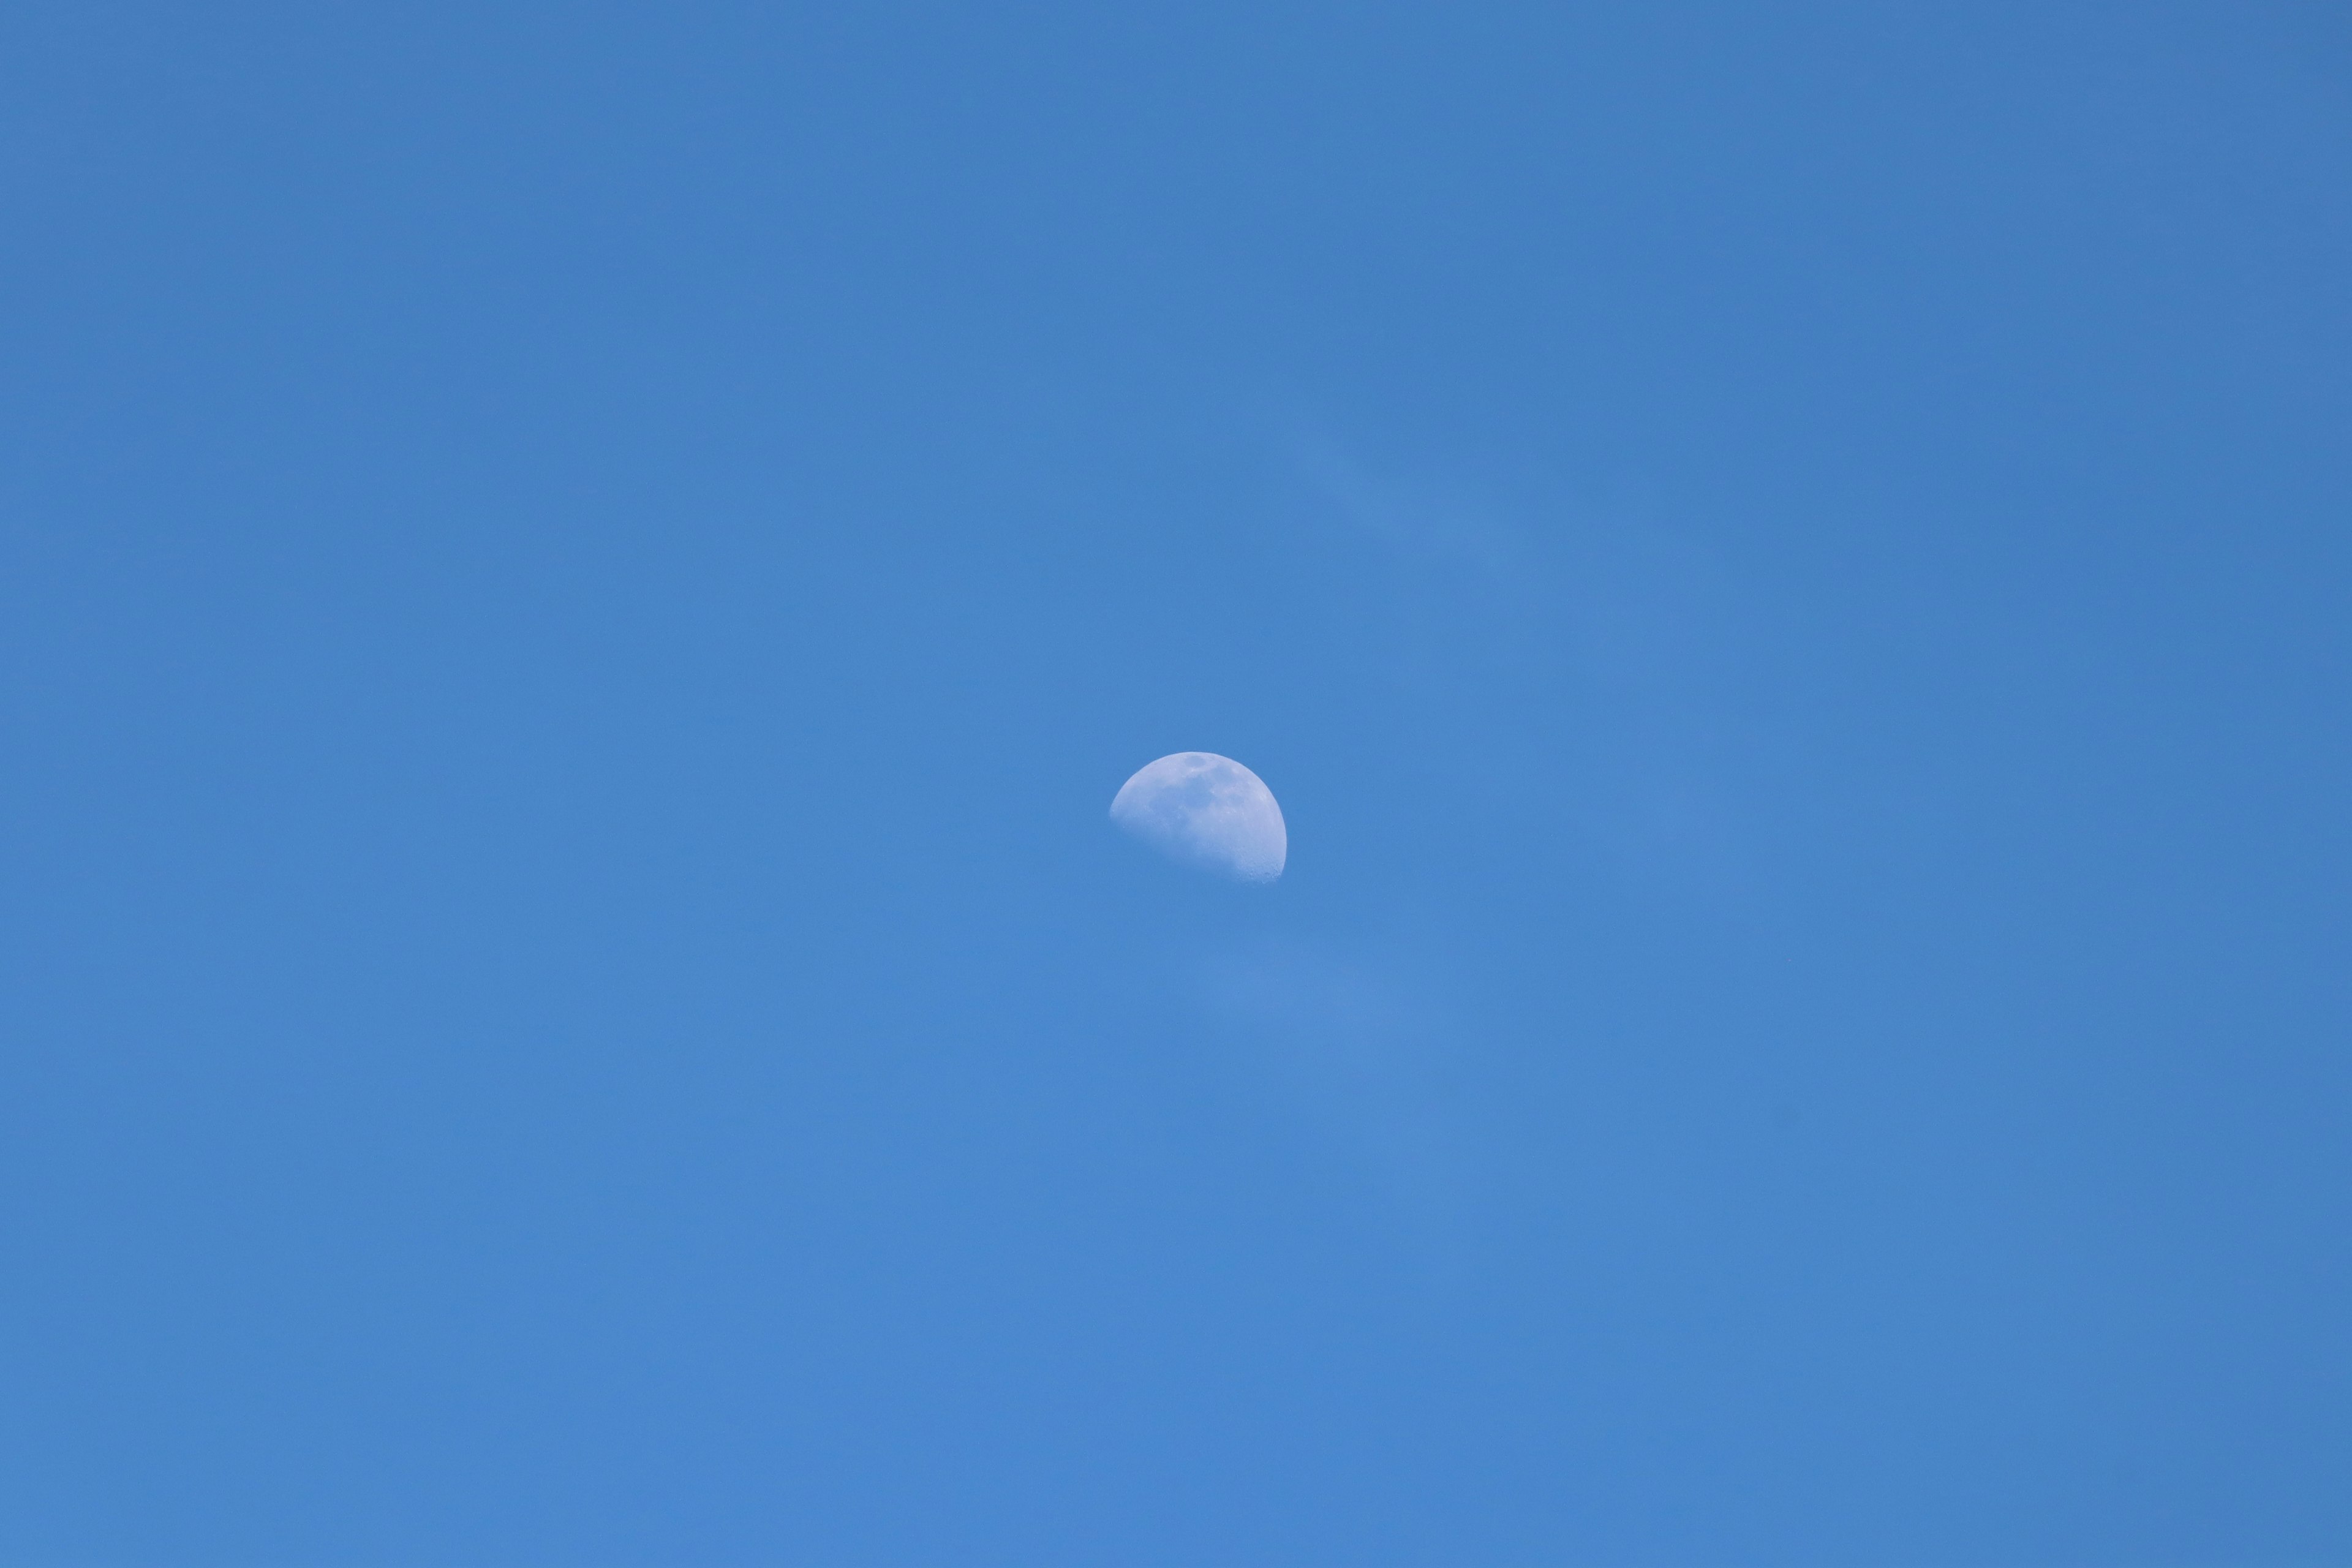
[[1368, 1052]]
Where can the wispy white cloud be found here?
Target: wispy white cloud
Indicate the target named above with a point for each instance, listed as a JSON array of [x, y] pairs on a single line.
[[1557, 638], [1367, 1050]]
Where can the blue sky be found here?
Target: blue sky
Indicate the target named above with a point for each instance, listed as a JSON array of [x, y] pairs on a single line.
[[576, 583]]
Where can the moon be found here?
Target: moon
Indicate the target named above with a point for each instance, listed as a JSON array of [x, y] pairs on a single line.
[[1205, 811]]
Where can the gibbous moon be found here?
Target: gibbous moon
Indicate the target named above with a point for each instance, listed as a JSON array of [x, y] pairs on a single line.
[[1207, 811]]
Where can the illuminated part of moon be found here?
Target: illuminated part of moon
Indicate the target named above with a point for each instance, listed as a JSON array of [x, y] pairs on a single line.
[[1207, 811]]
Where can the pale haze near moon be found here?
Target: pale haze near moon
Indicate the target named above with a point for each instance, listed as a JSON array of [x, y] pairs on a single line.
[[1207, 811]]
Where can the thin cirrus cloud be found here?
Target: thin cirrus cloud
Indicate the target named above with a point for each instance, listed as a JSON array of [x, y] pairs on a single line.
[[1361, 1045], [1632, 643]]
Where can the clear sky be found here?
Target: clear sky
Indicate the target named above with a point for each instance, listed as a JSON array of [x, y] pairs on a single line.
[[576, 581]]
